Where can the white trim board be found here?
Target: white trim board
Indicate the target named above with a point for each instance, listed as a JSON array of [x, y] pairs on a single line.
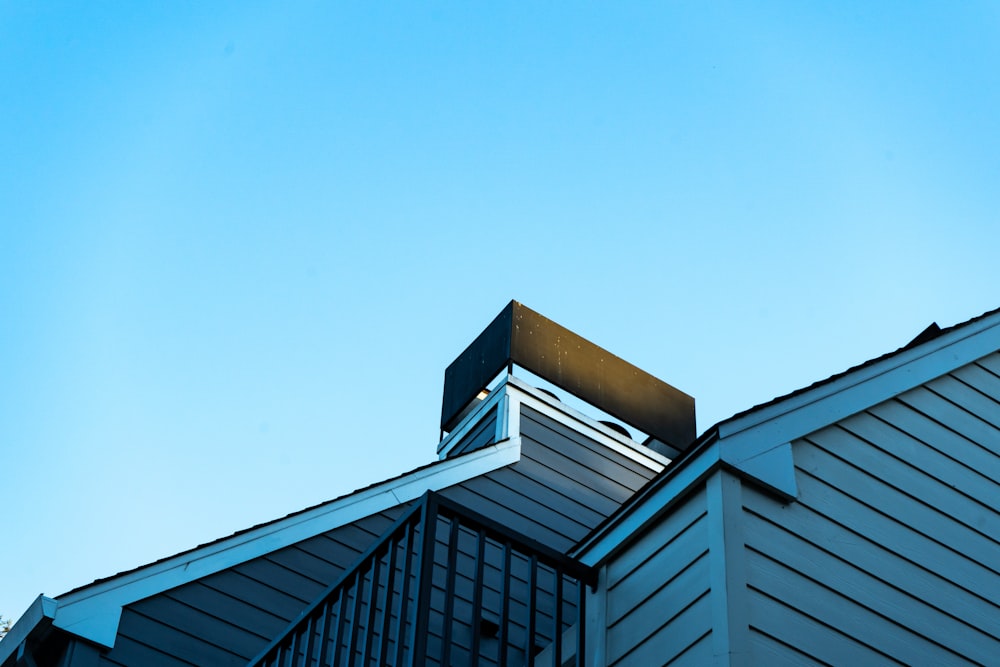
[[94, 612], [512, 392], [588, 426], [800, 415]]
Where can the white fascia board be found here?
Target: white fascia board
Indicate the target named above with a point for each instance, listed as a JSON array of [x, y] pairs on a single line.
[[470, 421], [511, 392], [772, 468], [800, 415], [635, 518], [593, 429], [94, 612]]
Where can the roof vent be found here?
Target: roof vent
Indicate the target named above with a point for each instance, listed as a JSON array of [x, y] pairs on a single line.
[[519, 335], [550, 394], [930, 333], [616, 427]]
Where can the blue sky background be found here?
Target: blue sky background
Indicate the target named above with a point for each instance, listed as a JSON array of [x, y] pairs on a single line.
[[240, 242]]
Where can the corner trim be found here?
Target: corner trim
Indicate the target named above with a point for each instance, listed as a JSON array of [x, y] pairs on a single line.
[[730, 620]]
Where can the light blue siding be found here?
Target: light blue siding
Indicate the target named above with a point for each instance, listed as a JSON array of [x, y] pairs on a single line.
[[658, 607], [891, 553]]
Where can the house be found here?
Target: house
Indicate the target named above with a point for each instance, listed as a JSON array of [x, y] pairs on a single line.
[[854, 521]]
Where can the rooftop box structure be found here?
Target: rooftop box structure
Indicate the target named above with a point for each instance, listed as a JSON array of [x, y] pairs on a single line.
[[519, 335]]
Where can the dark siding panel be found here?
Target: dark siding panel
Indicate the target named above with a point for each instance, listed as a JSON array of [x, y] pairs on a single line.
[[131, 653], [484, 433], [261, 596], [562, 480], [255, 620], [476, 496], [564, 485], [160, 639], [237, 611], [598, 458], [292, 583], [515, 492], [201, 625], [533, 482]]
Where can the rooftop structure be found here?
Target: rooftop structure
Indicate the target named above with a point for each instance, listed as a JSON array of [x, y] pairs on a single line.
[[853, 521]]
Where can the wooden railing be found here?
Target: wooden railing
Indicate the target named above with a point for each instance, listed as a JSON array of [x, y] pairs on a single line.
[[443, 586]]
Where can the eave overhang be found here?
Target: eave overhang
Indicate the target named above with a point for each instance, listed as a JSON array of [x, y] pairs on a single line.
[[32, 626], [94, 611]]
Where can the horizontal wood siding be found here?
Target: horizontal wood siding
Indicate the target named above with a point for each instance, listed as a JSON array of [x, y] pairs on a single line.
[[891, 553], [228, 617], [563, 486], [658, 606]]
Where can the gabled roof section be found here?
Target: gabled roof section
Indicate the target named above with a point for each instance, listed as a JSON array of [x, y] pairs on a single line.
[[93, 611], [756, 443], [881, 378], [932, 332]]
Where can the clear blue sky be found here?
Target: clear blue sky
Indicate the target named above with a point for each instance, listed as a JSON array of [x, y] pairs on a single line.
[[239, 243]]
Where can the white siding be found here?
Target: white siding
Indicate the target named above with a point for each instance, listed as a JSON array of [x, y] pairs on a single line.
[[658, 607], [891, 553]]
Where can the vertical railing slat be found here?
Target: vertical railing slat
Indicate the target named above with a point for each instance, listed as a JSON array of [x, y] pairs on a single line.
[[529, 642], [352, 644], [557, 630], [449, 591], [293, 650], [404, 600], [581, 616], [337, 628], [504, 636], [390, 588], [324, 628], [425, 583], [366, 637]]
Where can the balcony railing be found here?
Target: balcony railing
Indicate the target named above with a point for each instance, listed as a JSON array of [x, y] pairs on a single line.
[[444, 586]]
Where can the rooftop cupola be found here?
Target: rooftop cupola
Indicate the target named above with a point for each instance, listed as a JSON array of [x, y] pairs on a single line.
[[520, 338]]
